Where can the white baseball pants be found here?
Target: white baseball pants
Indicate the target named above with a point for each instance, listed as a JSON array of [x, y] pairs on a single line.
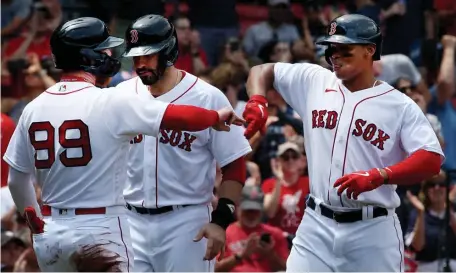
[[323, 245], [65, 234], [164, 242]]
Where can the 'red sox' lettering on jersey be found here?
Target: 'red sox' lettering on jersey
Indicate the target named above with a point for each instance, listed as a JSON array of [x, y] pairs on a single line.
[[180, 139], [324, 119], [368, 132]]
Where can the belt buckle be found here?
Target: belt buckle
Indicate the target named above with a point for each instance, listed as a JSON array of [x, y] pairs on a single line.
[[335, 215]]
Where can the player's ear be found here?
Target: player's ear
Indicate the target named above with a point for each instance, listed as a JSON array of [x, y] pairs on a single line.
[[370, 50]]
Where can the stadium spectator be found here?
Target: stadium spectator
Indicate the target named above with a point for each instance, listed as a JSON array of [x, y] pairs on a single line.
[[14, 14], [405, 86], [275, 51], [7, 129], [230, 78], [286, 193], [36, 80], [391, 67], [252, 246], [192, 57], [277, 27], [446, 12], [369, 8], [407, 24], [443, 103], [216, 22], [12, 248], [427, 226]]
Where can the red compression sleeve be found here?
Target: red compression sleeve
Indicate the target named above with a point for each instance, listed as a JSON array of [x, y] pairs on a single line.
[[420, 166], [188, 118], [236, 171]]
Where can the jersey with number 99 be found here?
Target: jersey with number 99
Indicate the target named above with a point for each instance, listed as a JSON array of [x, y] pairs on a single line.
[[74, 137]]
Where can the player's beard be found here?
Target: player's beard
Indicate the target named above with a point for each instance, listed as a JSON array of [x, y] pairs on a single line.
[[149, 79]]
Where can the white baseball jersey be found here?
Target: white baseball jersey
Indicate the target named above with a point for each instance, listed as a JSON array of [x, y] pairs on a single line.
[[74, 137], [346, 132], [178, 168]]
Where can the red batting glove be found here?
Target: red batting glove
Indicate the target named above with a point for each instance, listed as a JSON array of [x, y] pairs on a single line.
[[34, 222], [256, 115], [359, 182]]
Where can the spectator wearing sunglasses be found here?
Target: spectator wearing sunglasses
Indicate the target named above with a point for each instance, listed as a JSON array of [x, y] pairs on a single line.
[[286, 192], [405, 86], [425, 234]]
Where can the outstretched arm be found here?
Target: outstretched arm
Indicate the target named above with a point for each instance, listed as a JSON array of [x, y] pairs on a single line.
[[261, 79], [192, 118]]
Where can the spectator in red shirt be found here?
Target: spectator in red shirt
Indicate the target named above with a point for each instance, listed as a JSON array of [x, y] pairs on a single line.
[[7, 129], [285, 194], [252, 246], [446, 12], [192, 57], [35, 40]]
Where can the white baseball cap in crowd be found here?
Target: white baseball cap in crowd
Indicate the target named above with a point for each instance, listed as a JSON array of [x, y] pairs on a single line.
[[287, 146]]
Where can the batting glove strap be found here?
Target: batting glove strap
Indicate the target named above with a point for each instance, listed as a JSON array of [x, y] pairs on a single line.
[[223, 215], [259, 99]]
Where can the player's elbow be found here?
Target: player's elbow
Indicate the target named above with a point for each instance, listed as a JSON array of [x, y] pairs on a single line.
[[435, 162]]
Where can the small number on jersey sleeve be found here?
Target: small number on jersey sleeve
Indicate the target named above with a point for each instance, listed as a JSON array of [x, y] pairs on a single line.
[[83, 142]]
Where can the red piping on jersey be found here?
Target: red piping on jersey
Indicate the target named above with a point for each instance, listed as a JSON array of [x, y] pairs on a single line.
[[66, 93], [334, 142], [351, 122], [209, 220], [156, 145], [399, 245], [125, 245]]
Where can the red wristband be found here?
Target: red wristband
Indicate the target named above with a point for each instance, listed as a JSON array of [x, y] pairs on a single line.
[[260, 99]]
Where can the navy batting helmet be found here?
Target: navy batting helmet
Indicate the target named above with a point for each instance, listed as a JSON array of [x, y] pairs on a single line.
[[353, 29], [78, 45], [151, 34]]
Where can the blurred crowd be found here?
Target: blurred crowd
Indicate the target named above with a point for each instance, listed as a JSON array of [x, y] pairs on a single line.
[[219, 41]]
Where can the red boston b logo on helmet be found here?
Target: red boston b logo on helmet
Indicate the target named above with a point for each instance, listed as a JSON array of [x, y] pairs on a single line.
[[332, 28], [134, 36]]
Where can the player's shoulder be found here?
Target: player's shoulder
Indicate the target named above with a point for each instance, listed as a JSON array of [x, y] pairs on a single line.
[[130, 83], [205, 91], [291, 69]]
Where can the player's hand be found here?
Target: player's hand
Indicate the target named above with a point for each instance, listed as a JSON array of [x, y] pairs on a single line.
[[251, 246], [416, 203], [256, 115], [359, 182], [35, 224], [215, 236], [226, 118]]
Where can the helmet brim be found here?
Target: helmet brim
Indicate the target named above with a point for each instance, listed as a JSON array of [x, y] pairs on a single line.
[[341, 39], [144, 50], [110, 42]]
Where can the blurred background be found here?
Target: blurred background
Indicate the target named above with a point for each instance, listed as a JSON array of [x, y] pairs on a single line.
[[219, 41]]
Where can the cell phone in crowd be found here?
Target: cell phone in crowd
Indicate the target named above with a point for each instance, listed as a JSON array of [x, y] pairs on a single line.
[[266, 238]]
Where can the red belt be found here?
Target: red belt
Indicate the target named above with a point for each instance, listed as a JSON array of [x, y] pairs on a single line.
[[47, 211]]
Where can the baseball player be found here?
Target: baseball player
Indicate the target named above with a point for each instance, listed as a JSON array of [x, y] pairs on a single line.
[[74, 139], [171, 176], [362, 138]]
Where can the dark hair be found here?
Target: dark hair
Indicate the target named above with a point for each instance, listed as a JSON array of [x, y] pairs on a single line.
[[267, 50], [395, 83]]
